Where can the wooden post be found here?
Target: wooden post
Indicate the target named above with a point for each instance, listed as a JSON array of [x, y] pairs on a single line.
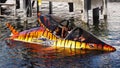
[[71, 7], [37, 6], [88, 8], [85, 11], [33, 2], [25, 13], [28, 7], [96, 17], [17, 4], [0, 10], [50, 7], [18, 23], [105, 9], [25, 24], [2, 1]]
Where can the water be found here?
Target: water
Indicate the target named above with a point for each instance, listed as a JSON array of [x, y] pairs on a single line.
[[24, 55]]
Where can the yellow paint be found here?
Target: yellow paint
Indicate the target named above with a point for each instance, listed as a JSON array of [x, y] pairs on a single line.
[[27, 37], [45, 33], [63, 43], [78, 44], [39, 34], [34, 35], [58, 42], [68, 43], [54, 38], [39, 2], [83, 45], [73, 44], [50, 36]]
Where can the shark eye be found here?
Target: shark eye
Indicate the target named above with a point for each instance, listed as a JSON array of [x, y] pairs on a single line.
[[91, 45]]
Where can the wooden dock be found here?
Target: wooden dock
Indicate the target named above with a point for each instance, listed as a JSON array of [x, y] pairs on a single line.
[[5, 4], [84, 8]]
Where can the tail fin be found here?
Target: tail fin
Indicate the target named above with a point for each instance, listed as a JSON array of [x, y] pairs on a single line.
[[12, 29]]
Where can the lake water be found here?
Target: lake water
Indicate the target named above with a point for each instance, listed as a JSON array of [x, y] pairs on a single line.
[[24, 55]]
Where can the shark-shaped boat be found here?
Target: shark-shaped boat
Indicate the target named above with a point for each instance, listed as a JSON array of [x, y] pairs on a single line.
[[45, 36]]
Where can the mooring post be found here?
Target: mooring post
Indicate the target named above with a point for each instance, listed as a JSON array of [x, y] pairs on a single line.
[[0, 10], [18, 25], [25, 24], [25, 5], [28, 7], [96, 17], [85, 11], [37, 7], [17, 4], [71, 7], [105, 9], [33, 2], [50, 7]]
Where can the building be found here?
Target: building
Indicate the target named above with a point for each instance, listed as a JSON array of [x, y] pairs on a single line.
[[88, 8]]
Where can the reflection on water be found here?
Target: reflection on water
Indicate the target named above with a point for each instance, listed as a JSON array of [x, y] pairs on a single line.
[[41, 51], [43, 56]]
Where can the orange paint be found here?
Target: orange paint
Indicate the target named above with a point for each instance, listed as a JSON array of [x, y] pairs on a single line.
[[33, 35]]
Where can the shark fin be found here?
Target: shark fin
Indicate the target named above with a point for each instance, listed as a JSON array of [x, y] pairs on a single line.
[[12, 29]]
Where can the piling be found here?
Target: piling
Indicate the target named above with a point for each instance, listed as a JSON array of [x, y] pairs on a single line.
[[37, 6], [50, 7], [71, 7], [96, 16], [25, 24], [1, 9], [105, 9], [28, 7], [17, 4]]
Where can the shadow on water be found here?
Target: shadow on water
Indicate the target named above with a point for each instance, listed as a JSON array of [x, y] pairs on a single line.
[[47, 57]]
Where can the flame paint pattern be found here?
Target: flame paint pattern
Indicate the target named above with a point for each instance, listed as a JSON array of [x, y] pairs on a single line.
[[40, 35]]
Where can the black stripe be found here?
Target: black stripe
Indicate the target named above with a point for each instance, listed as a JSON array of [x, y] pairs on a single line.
[[25, 36], [28, 35], [47, 34], [52, 37], [43, 32], [65, 42], [70, 45], [102, 46], [35, 36], [80, 44], [56, 42], [75, 45]]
